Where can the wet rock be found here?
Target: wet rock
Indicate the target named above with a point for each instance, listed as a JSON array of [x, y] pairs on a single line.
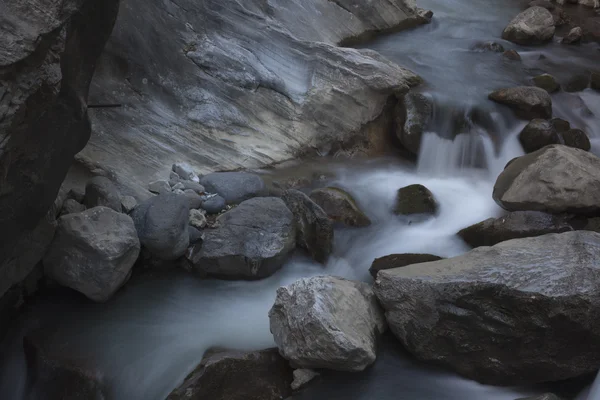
[[595, 80], [100, 191], [70, 206], [185, 172], [545, 396], [415, 199], [465, 312], [160, 187], [93, 252], [399, 260], [546, 82], [488, 46], [234, 375], [302, 377], [214, 205], [252, 241], [234, 187], [526, 101], [515, 225], [327, 322], [128, 204], [340, 206], [560, 125], [315, 230], [577, 138], [198, 219], [533, 26], [574, 36], [512, 55], [538, 134], [413, 114], [162, 225], [577, 83], [556, 179]]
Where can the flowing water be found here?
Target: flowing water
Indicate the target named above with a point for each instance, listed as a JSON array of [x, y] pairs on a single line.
[[155, 330]]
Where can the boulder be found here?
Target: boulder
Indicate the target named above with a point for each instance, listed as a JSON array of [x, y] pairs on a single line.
[[537, 134], [128, 204], [174, 178], [577, 82], [533, 26], [546, 82], [327, 322], [194, 200], [340, 206], [314, 229], [574, 36], [100, 191], [413, 114], [198, 219], [191, 185], [577, 138], [512, 55], [185, 172], [235, 375], [160, 187], [595, 80], [93, 252], [162, 225], [526, 101], [251, 241], [399, 260], [521, 312], [560, 125], [234, 187], [415, 199], [214, 205], [514, 225], [302, 377], [70, 206], [556, 179]]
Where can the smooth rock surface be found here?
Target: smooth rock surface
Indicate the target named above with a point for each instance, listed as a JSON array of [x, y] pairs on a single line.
[[234, 187], [537, 134], [546, 82], [413, 113], [520, 312], [327, 322], [93, 252], [415, 199], [340, 206], [100, 191], [533, 26], [399, 260], [526, 101], [214, 205]]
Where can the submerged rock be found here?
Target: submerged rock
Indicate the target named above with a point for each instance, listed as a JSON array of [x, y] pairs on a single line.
[[527, 101], [533, 26], [327, 322], [399, 260], [340, 206], [574, 36], [234, 187], [537, 134], [512, 55], [523, 311], [488, 46], [415, 199], [577, 83], [556, 179], [198, 219], [413, 114], [100, 191], [546, 82], [577, 138]]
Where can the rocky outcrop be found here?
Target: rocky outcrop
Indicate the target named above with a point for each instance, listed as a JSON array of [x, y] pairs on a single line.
[[537, 134], [93, 252], [413, 114], [555, 179], [251, 241], [327, 322], [234, 375], [533, 26], [415, 199], [399, 260], [234, 187], [522, 311], [527, 102], [340, 206]]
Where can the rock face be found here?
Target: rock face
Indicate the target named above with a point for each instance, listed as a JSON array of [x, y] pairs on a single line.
[[515, 225], [340, 206], [252, 241], [315, 230], [533, 26], [100, 191], [233, 375], [555, 179], [537, 134], [162, 225], [93, 252], [399, 260], [413, 114], [481, 313], [327, 322], [527, 102], [415, 199], [234, 187]]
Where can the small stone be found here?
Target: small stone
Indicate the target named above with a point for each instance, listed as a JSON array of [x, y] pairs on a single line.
[[488, 46], [195, 186], [76, 194], [512, 55], [574, 36], [302, 377], [179, 186], [415, 199], [174, 178], [197, 219], [70, 206], [214, 205], [128, 204], [185, 172], [578, 139], [546, 82], [159, 187], [560, 125], [196, 235]]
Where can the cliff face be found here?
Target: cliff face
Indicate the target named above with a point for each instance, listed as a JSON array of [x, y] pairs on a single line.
[[225, 84]]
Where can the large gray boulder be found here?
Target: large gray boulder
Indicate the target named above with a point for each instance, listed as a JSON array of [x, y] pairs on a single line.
[[523, 311], [251, 241], [315, 230], [234, 187], [413, 114], [533, 26], [162, 225], [527, 102], [93, 252], [555, 179], [100, 191], [327, 322], [340, 206]]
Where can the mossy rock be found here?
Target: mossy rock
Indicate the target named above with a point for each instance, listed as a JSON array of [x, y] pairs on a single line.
[[415, 199]]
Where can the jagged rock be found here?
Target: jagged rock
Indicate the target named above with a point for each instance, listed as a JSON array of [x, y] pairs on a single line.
[[465, 312], [162, 225], [556, 179], [70, 206], [93, 252], [574, 36], [399, 260], [234, 187], [546, 82], [413, 114], [526, 101], [160, 187], [251, 241], [214, 205], [577, 83], [327, 322], [185, 171], [512, 55], [314, 229], [515, 225], [533, 26], [577, 138], [415, 199], [234, 375], [128, 204], [302, 377], [100, 191], [340, 206], [537, 134], [198, 219]]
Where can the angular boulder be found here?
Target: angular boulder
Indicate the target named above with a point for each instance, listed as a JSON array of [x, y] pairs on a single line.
[[533, 26], [327, 322], [251, 241], [234, 187], [413, 114], [93, 252], [340, 206], [523, 311], [100, 191], [514, 225], [415, 199], [399, 260], [537, 134], [235, 375], [314, 229], [556, 179], [527, 102]]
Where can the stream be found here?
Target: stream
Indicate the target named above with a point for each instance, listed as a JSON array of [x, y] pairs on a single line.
[[156, 329]]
